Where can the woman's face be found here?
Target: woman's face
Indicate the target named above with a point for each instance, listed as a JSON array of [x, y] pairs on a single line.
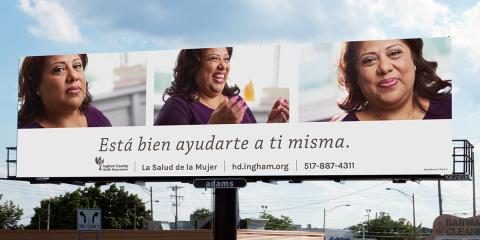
[[386, 72], [63, 86], [213, 73]]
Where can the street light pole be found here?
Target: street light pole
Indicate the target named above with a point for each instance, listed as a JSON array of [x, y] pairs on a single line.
[[412, 198], [264, 208], [325, 211], [151, 207], [414, 225], [151, 203], [149, 191], [363, 231]]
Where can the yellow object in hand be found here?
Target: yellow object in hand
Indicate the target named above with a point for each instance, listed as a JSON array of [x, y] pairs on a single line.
[[248, 92]]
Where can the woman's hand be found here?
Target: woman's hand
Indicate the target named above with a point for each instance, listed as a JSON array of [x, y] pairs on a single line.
[[280, 111], [229, 111]]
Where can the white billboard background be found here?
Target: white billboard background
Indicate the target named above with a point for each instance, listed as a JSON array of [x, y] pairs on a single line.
[[371, 149], [359, 148]]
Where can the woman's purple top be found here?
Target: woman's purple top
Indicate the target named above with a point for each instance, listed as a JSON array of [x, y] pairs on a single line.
[[178, 111], [95, 118], [438, 109]]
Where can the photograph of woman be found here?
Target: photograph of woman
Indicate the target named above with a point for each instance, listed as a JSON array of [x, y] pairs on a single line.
[[53, 93], [200, 94], [391, 80]]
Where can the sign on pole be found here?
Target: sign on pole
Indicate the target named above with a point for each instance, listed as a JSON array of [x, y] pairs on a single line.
[[89, 219], [220, 183]]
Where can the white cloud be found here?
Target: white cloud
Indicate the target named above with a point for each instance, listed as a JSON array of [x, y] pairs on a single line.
[[52, 21], [273, 8], [426, 16], [466, 35]]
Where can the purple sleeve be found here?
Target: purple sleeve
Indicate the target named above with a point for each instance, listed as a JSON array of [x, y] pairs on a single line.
[[249, 117], [173, 112], [95, 118]]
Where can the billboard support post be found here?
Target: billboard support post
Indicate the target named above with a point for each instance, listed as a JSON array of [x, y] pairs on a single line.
[[225, 216]]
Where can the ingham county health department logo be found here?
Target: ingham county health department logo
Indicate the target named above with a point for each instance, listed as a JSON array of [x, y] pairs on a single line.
[[99, 161], [109, 167]]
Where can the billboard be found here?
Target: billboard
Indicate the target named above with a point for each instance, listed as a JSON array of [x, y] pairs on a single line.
[[366, 108]]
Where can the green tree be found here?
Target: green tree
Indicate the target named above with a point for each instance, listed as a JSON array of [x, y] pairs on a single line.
[[118, 209], [274, 223], [197, 216], [9, 214], [200, 213], [385, 228]]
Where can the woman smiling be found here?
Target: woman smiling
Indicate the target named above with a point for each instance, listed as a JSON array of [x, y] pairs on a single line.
[[200, 94], [390, 80]]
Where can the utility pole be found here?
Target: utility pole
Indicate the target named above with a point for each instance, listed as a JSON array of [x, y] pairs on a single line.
[[368, 215], [440, 198], [48, 217], [473, 184], [175, 189], [135, 216]]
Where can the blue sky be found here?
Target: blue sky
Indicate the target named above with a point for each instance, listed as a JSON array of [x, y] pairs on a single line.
[[68, 26]]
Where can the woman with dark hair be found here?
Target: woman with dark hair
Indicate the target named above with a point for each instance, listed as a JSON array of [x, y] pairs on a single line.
[[390, 80], [199, 93], [53, 93]]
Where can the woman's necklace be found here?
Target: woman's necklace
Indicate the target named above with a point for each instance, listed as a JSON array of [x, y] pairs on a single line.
[[412, 117]]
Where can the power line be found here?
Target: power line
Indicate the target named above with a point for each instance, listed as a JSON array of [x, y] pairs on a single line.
[[320, 202], [27, 217]]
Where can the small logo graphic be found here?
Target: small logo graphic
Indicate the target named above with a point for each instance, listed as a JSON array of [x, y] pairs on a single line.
[[99, 161], [109, 167]]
